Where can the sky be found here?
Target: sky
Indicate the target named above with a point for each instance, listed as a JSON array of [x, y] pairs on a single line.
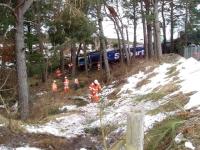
[[109, 30]]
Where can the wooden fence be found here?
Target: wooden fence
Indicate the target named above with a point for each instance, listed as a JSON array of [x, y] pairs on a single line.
[[192, 51]]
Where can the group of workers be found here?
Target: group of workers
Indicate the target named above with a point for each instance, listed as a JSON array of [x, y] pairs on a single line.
[[65, 85], [94, 87]]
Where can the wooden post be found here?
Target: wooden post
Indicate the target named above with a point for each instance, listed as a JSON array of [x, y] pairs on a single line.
[[135, 130]]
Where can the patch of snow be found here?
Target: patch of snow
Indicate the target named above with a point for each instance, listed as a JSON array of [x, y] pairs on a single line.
[[189, 73], [83, 149], [3, 147], [27, 148], [2, 124], [194, 101], [67, 126], [68, 108], [158, 80], [179, 138], [2, 106], [149, 120], [41, 93], [189, 145]]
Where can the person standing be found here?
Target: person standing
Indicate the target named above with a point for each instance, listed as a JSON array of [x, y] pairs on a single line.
[[66, 85], [54, 86], [54, 89], [94, 88], [76, 84]]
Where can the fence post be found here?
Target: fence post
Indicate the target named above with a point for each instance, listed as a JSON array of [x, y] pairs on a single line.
[[135, 130]]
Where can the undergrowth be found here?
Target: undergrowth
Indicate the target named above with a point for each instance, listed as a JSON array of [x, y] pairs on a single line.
[[161, 137]]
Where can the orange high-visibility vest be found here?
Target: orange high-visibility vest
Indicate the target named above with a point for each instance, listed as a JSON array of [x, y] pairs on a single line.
[[54, 87]]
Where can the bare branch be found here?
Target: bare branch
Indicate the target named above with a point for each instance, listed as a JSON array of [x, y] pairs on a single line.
[[26, 5], [5, 80], [9, 7]]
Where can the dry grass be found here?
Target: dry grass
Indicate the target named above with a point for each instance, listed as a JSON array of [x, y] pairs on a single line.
[[168, 88], [175, 102], [142, 83], [145, 81], [171, 70]]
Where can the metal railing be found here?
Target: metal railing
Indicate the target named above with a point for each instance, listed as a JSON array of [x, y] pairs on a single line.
[[192, 51]]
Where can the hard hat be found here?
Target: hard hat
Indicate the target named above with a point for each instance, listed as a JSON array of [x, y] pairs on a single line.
[[96, 82], [54, 81], [65, 77]]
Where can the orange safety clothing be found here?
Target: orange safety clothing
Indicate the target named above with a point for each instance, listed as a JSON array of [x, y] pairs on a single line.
[[66, 85], [94, 91], [58, 73], [54, 87]]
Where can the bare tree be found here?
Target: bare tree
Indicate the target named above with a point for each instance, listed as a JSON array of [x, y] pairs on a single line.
[[144, 31], [157, 31], [19, 11], [172, 25], [102, 41]]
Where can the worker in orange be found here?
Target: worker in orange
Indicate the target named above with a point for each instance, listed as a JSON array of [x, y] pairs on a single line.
[[66, 85], [94, 88], [58, 73], [54, 87]]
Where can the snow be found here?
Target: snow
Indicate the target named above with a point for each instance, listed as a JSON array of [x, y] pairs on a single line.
[[68, 108], [2, 147], [189, 145], [88, 116], [67, 126], [41, 93], [158, 80], [179, 138], [189, 74], [2, 124], [2, 106]]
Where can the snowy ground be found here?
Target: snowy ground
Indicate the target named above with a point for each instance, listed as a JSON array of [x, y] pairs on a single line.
[[115, 111]]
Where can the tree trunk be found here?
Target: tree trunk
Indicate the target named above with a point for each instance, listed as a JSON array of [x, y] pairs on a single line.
[[86, 60], [21, 65], [164, 27], [123, 40], [40, 39], [149, 36], [135, 29], [186, 23], [144, 31], [29, 41], [127, 37], [102, 41], [172, 26], [119, 45], [62, 64], [158, 48], [73, 54], [149, 30]]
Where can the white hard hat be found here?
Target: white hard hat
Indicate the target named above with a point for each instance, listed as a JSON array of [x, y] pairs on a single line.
[[96, 82]]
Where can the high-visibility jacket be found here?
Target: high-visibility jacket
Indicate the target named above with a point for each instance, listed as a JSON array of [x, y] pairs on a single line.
[[58, 73], [54, 87], [66, 85], [94, 90]]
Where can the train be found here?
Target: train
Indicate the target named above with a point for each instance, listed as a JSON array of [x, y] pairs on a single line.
[[113, 55]]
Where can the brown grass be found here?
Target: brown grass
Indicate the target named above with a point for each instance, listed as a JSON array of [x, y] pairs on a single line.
[[142, 82], [168, 88], [177, 101]]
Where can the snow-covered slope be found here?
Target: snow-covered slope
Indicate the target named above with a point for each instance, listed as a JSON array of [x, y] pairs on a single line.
[[185, 74]]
